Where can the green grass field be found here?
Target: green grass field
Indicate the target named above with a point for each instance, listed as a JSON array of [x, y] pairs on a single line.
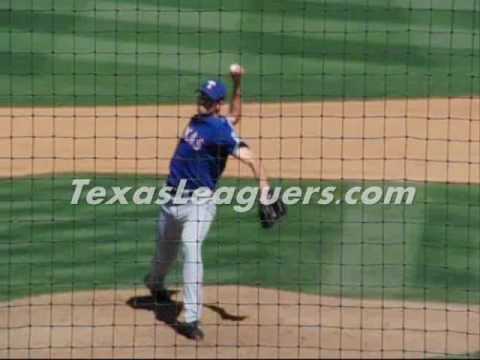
[[428, 250], [123, 52], [147, 51]]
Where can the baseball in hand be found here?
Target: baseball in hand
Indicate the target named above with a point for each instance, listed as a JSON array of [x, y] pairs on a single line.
[[236, 69]]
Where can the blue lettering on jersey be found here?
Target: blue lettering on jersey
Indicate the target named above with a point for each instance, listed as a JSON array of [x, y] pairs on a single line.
[[201, 155]]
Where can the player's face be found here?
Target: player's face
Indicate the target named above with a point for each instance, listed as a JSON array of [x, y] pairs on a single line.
[[206, 106], [218, 107]]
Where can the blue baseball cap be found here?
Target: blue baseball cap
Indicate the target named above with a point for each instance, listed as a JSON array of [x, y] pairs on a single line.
[[215, 90]]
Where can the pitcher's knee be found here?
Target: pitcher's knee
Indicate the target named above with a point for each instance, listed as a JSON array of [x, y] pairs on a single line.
[[192, 252]]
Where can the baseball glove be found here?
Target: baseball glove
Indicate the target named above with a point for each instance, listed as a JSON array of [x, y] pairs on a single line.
[[271, 213]]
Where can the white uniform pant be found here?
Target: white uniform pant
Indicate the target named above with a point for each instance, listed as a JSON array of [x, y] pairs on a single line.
[[186, 226]]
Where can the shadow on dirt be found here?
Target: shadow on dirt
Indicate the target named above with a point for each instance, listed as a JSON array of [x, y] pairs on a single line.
[[169, 313]]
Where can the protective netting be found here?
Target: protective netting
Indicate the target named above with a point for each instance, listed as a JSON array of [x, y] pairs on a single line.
[[364, 96]]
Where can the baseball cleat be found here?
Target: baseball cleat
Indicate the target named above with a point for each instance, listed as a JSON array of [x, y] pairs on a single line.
[[191, 330], [156, 301], [161, 297]]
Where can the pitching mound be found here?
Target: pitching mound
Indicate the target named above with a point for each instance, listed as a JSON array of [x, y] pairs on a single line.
[[239, 322]]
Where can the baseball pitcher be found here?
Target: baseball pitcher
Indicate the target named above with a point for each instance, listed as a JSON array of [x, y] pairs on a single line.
[[199, 160]]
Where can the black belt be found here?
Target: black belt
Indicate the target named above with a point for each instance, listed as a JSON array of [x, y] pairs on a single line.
[[186, 193]]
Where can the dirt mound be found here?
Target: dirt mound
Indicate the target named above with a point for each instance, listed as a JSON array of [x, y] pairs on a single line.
[[239, 322]]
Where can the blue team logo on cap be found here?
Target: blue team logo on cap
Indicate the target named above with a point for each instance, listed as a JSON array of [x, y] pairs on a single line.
[[215, 90]]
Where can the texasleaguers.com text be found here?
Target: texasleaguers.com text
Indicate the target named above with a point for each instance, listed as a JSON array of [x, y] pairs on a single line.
[[242, 198]]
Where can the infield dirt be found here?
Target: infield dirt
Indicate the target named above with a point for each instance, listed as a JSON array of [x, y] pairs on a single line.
[[434, 139]]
